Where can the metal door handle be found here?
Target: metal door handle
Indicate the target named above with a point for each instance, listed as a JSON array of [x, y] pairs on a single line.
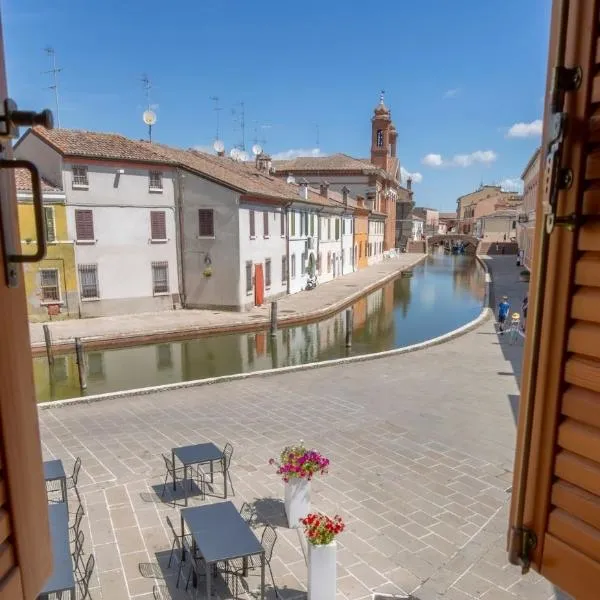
[[38, 211]]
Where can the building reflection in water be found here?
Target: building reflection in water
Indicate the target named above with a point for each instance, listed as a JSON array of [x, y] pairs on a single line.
[[443, 293]]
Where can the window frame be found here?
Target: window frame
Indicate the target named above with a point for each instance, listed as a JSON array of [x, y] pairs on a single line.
[[282, 224], [293, 267], [162, 264], [266, 224], [268, 273], [153, 188], [91, 268], [284, 269], [46, 302], [252, 223], [249, 278], [158, 240], [84, 183], [206, 211], [84, 240]]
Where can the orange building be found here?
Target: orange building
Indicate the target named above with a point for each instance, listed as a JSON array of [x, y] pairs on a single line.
[[361, 234]]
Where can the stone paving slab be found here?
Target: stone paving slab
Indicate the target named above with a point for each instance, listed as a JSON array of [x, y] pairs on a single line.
[[325, 298], [421, 448]]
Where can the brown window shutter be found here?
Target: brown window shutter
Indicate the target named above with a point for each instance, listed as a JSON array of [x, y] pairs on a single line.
[[206, 222], [558, 480], [84, 225], [158, 225]]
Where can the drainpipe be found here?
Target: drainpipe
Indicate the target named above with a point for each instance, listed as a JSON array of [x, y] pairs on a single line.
[[179, 184]]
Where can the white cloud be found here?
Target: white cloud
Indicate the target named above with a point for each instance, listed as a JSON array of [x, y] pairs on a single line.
[[512, 184], [404, 175], [460, 160], [433, 160], [205, 149], [451, 93], [296, 153], [523, 130]]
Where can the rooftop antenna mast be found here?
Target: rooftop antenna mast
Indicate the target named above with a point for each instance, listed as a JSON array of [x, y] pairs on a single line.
[[149, 117], [54, 71], [242, 121], [217, 109], [318, 141], [257, 140]]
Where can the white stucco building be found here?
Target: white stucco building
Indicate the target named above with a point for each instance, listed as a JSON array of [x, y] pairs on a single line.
[[417, 227], [375, 239], [120, 200]]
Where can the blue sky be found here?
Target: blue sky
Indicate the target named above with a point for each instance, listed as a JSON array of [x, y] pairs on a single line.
[[457, 75]]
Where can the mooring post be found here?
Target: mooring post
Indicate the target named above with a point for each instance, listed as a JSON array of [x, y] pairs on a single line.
[[80, 364], [349, 324], [48, 340], [274, 318]]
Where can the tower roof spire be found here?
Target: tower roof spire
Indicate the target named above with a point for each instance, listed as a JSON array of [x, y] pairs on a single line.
[[381, 109]]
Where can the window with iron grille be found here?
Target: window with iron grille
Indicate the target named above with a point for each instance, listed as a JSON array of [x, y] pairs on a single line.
[[248, 276], [282, 219], [160, 277], [158, 225], [84, 225], [251, 217], [49, 285], [49, 224], [283, 269], [266, 224], [267, 272], [155, 180], [206, 221], [80, 176], [88, 282]]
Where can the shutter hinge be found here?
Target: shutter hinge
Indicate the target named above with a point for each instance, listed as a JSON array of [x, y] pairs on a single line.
[[526, 541], [567, 79]]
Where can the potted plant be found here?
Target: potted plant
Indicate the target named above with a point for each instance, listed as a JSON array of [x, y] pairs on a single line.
[[207, 272], [297, 465], [320, 531], [524, 275]]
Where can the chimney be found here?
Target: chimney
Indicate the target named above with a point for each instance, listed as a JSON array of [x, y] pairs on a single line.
[[304, 189], [409, 184], [345, 192], [263, 162], [360, 201], [324, 189]]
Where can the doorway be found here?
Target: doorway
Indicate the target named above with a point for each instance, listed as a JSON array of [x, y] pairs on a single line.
[[259, 284]]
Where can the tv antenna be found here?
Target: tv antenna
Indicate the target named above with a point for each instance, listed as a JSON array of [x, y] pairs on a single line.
[[54, 71], [257, 141], [217, 109], [317, 128], [149, 116], [240, 117]]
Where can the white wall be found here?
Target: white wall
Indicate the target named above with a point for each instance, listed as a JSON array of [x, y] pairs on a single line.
[[298, 244], [417, 229], [375, 241], [260, 248], [348, 265], [122, 248], [46, 159], [329, 246]]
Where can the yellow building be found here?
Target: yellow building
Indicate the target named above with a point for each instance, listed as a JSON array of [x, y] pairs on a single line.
[[51, 284]]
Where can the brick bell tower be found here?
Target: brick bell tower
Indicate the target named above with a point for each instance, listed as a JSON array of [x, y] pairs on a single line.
[[383, 137]]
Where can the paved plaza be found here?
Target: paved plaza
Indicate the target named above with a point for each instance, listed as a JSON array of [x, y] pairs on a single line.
[[421, 448], [325, 299]]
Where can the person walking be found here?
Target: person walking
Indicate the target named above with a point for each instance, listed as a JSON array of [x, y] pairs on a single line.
[[503, 309]]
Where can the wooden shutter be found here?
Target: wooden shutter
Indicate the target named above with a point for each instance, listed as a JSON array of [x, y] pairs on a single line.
[[25, 552], [559, 478], [252, 224], [84, 225], [266, 223], [158, 225]]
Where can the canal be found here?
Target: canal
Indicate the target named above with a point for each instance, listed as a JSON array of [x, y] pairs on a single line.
[[443, 293]]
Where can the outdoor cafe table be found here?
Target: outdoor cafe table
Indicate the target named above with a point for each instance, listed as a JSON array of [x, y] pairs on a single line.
[[198, 454], [62, 579], [55, 471], [220, 534]]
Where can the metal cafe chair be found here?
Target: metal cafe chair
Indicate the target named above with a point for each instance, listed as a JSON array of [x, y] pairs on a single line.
[[173, 473], [74, 529], [222, 467], [71, 481]]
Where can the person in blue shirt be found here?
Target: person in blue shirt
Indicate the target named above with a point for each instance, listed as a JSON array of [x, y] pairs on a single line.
[[503, 309]]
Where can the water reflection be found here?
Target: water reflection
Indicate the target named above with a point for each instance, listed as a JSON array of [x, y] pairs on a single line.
[[444, 292]]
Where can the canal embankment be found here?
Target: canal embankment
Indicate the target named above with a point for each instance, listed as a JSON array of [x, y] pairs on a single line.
[[178, 325]]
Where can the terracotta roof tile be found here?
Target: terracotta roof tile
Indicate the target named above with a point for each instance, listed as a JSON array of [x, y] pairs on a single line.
[[23, 182], [334, 162], [91, 144]]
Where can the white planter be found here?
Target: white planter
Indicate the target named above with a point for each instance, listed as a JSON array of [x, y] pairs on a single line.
[[322, 572], [297, 500]]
